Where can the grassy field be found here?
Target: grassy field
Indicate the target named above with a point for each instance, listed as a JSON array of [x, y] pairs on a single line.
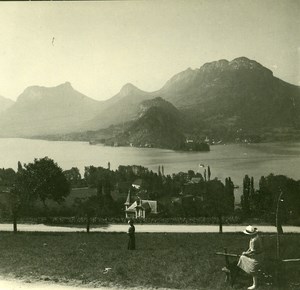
[[182, 261]]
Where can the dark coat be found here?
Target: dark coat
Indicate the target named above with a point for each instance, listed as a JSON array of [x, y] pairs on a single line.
[[131, 235]]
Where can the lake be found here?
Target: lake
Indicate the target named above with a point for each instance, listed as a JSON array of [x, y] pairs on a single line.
[[234, 160]]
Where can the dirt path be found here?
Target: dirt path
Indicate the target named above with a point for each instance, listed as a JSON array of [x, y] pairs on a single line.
[[13, 284], [26, 285], [149, 228]]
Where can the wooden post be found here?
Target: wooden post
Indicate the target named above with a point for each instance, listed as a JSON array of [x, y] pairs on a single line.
[[277, 226], [88, 224], [15, 224], [280, 276]]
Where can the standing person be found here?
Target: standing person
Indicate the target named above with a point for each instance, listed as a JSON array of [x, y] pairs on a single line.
[[131, 235], [250, 261]]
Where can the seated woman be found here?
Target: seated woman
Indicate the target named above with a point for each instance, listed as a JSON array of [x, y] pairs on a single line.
[[250, 261]]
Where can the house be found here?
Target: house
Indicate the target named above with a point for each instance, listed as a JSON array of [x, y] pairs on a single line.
[[136, 207], [194, 180]]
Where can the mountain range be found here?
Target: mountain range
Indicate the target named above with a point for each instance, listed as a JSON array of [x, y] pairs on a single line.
[[41, 110], [5, 104], [224, 100]]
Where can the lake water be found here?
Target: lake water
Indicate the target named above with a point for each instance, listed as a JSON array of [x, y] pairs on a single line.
[[234, 160]]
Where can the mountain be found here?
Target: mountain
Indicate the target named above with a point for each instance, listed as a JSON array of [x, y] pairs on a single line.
[[228, 100], [240, 88], [222, 100], [121, 108], [42, 110], [5, 104], [197, 86], [222, 97], [159, 125]]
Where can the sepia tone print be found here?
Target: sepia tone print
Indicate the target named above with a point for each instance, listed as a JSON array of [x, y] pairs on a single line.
[[150, 145]]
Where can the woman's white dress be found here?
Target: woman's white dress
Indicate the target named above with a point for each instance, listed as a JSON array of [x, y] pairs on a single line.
[[251, 261]]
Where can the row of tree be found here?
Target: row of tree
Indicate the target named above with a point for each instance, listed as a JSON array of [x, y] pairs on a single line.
[[177, 195], [185, 194], [275, 195]]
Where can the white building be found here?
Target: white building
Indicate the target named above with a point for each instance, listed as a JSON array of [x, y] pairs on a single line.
[[139, 208]]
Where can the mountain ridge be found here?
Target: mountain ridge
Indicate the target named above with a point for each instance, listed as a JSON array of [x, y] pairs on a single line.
[[5, 103], [216, 100], [46, 110]]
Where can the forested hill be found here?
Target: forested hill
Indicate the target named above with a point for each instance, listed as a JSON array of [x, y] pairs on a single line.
[[159, 125], [224, 97]]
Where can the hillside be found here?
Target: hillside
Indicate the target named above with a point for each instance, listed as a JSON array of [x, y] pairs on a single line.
[[121, 108], [224, 97], [42, 110], [238, 100], [5, 104], [159, 125], [226, 101]]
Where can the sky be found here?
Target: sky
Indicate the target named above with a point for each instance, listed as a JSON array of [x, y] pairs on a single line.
[[100, 46]]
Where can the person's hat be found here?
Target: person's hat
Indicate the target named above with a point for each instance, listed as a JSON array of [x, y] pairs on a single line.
[[130, 221], [249, 230]]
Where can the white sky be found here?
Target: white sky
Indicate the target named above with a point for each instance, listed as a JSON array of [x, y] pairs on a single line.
[[100, 46]]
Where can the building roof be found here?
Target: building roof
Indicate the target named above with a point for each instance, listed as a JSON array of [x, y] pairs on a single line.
[[152, 204], [132, 207], [128, 200], [145, 204]]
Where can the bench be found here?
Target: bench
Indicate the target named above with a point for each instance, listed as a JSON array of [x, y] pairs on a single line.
[[231, 270], [272, 270]]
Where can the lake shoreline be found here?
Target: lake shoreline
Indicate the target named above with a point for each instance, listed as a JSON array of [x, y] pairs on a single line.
[[230, 160]]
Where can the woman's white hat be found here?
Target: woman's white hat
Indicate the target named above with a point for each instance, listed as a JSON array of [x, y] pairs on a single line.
[[249, 230]]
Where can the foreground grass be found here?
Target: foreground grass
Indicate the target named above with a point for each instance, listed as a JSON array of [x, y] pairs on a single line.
[[182, 261]]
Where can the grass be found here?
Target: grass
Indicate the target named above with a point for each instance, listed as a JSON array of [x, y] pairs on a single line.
[[182, 261]]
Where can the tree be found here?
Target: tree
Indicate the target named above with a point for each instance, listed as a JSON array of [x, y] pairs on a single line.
[[208, 173], [73, 176], [95, 177], [88, 207], [270, 189], [19, 201], [12, 205], [218, 203], [245, 196], [41, 180], [229, 191], [44, 180], [7, 177]]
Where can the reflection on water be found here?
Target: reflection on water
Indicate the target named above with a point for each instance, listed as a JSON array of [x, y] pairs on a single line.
[[224, 160]]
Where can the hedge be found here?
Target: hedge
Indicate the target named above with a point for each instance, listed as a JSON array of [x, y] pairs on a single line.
[[79, 220]]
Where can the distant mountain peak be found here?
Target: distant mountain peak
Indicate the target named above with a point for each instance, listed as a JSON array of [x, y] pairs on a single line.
[[129, 89], [65, 85], [218, 64], [244, 62], [183, 77], [40, 89], [239, 63]]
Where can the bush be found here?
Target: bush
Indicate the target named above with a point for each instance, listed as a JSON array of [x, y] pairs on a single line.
[[80, 220]]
